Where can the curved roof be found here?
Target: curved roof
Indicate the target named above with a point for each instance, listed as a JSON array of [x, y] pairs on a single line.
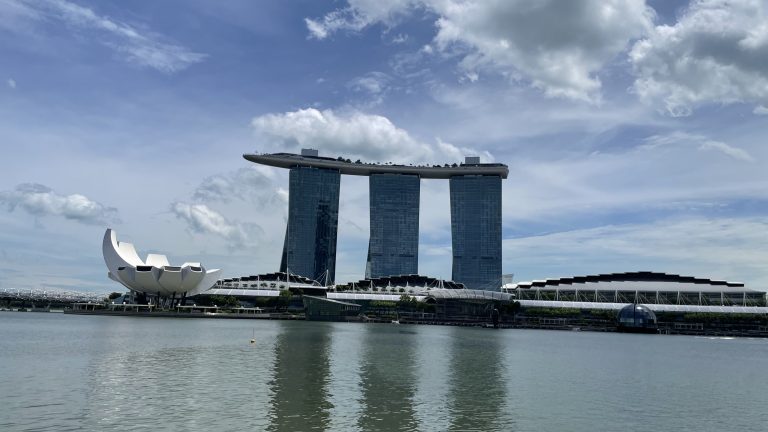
[[632, 281], [344, 166], [468, 294], [636, 311]]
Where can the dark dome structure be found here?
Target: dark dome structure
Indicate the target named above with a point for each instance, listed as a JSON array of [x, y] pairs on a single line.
[[635, 318]]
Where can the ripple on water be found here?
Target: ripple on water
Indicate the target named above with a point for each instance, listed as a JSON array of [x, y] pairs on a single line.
[[103, 374]]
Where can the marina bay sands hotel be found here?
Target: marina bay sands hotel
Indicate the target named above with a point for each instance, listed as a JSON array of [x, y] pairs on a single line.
[[393, 248]]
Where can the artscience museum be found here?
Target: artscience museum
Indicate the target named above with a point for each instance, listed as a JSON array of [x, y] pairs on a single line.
[[154, 276]]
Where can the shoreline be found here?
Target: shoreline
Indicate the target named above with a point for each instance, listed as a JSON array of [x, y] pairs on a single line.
[[169, 314], [663, 329]]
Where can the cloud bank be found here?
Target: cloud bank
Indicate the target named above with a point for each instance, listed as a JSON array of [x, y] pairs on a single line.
[[556, 46], [253, 183], [202, 219], [39, 200], [354, 134], [716, 52]]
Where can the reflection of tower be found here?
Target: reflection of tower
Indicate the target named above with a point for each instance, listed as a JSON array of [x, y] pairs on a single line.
[[313, 212], [478, 387], [476, 230], [299, 385], [388, 381], [393, 247]]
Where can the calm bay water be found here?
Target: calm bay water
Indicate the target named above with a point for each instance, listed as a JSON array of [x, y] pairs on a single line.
[[61, 372]]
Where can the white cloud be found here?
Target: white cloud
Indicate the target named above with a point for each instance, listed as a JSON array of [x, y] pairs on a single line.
[[141, 48], [699, 141], [359, 14], [715, 53], [352, 135], [458, 153], [400, 38], [374, 83], [11, 83], [728, 150], [282, 193], [204, 220], [557, 46], [39, 200], [253, 183], [760, 110], [316, 29]]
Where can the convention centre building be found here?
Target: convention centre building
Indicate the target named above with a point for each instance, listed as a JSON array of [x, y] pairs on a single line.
[[660, 292]]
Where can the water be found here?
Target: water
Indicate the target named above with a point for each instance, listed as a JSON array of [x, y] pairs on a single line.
[[62, 372]]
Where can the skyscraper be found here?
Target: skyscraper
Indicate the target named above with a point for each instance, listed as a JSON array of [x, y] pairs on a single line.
[[393, 247], [476, 230], [313, 218]]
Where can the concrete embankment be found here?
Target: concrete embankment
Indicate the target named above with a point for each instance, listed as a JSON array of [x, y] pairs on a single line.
[[664, 328], [169, 314]]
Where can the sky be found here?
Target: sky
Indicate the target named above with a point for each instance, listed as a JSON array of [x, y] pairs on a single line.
[[634, 131]]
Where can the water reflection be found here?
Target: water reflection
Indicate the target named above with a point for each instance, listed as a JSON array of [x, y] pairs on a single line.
[[169, 382], [478, 385], [346, 364], [388, 379], [433, 369], [300, 378], [103, 373]]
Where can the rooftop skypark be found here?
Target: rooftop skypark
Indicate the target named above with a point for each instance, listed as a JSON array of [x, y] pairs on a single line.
[[310, 158]]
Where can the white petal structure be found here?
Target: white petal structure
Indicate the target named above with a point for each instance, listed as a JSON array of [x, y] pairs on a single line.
[[154, 276]]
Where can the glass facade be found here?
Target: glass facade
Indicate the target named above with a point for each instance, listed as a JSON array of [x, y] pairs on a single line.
[[635, 316], [393, 246], [476, 231], [313, 218]]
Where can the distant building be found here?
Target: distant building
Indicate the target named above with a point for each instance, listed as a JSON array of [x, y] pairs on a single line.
[[393, 247], [476, 230], [153, 278], [661, 292], [265, 285], [313, 218], [635, 318]]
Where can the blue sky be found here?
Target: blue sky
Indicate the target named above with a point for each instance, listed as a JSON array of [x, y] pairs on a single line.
[[634, 131]]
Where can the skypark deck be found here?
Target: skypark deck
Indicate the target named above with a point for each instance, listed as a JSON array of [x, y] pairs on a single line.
[[345, 166]]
